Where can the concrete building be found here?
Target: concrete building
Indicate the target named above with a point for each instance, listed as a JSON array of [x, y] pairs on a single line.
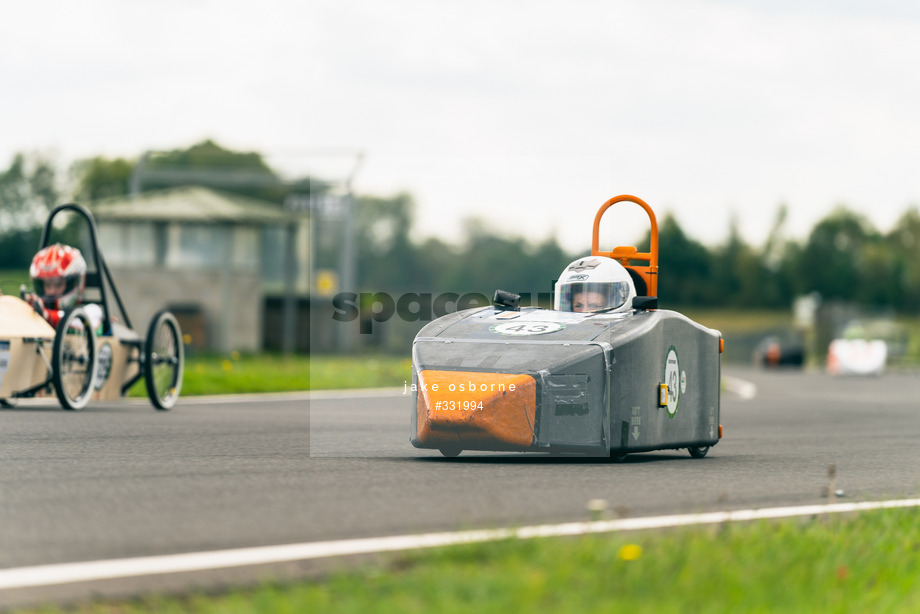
[[211, 257]]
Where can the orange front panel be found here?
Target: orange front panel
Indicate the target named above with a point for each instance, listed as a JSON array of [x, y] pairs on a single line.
[[458, 407]]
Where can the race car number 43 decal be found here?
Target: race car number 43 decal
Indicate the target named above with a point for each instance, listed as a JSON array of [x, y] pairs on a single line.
[[526, 328], [672, 379]]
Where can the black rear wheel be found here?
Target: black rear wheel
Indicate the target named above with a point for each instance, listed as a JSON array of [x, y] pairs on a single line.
[[697, 452], [164, 360], [73, 360]]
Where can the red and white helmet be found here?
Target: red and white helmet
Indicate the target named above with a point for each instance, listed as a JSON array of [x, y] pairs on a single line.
[[59, 276]]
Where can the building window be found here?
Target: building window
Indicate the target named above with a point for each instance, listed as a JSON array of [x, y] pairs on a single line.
[[127, 244], [246, 248], [273, 246], [201, 247]]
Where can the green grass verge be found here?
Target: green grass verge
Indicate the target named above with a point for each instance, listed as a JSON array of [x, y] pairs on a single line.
[[244, 373], [10, 280], [250, 373], [374, 371], [739, 320], [864, 563]]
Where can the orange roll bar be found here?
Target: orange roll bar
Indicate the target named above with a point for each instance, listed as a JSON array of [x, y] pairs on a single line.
[[625, 253]]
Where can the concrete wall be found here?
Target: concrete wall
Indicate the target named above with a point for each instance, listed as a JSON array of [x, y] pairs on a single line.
[[226, 309]]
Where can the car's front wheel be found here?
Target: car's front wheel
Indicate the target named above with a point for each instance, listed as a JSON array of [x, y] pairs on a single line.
[[73, 360]]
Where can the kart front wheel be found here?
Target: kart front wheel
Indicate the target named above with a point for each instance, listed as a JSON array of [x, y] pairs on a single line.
[[73, 360], [698, 452], [164, 360]]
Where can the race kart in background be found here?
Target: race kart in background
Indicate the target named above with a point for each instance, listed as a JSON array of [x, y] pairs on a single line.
[[76, 360], [503, 378]]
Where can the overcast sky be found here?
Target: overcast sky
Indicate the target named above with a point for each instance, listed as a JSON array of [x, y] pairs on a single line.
[[527, 115]]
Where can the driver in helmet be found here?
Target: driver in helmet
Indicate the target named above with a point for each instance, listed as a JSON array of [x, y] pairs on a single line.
[[58, 275], [595, 284]]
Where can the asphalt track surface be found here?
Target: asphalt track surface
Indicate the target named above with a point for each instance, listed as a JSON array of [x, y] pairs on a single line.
[[120, 481]]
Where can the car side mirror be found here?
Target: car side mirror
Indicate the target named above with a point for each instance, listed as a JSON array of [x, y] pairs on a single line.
[[506, 301], [644, 303]]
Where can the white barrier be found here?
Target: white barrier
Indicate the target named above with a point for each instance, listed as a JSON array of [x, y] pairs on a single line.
[[856, 357]]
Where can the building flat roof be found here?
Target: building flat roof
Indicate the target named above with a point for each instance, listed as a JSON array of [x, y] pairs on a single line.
[[190, 204]]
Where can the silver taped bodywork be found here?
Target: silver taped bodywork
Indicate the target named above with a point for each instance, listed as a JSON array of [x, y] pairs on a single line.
[[597, 375]]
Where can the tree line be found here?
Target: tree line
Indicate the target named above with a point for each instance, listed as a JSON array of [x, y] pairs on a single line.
[[844, 257]]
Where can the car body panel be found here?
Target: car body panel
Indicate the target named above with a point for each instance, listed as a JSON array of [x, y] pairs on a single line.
[[596, 380], [605, 383]]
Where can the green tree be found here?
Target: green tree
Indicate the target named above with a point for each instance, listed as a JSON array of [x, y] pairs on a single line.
[[547, 260], [488, 261], [100, 177], [736, 270], [776, 284], [208, 164], [834, 259], [743, 276], [27, 192], [904, 243], [684, 267], [437, 261], [386, 258], [205, 164]]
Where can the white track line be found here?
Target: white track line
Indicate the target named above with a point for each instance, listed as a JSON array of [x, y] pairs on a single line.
[[46, 575], [243, 398], [305, 395], [744, 389], [359, 393]]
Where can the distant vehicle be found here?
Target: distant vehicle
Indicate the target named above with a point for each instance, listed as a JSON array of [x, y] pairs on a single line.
[[73, 361], [605, 382], [775, 351], [857, 357]]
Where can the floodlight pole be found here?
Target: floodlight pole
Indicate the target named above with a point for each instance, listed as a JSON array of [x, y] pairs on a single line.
[[348, 276], [136, 174], [289, 309]]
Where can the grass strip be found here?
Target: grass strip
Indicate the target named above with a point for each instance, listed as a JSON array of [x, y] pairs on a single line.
[[371, 371], [11, 279], [237, 373], [855, 563]]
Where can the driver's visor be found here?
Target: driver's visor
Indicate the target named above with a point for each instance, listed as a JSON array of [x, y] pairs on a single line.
[[588, 297]]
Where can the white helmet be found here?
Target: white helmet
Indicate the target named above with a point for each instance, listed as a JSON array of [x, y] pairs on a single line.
[[594, 283]]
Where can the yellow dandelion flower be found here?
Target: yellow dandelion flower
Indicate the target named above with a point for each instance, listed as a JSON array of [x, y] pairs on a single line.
[[630, 552]]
